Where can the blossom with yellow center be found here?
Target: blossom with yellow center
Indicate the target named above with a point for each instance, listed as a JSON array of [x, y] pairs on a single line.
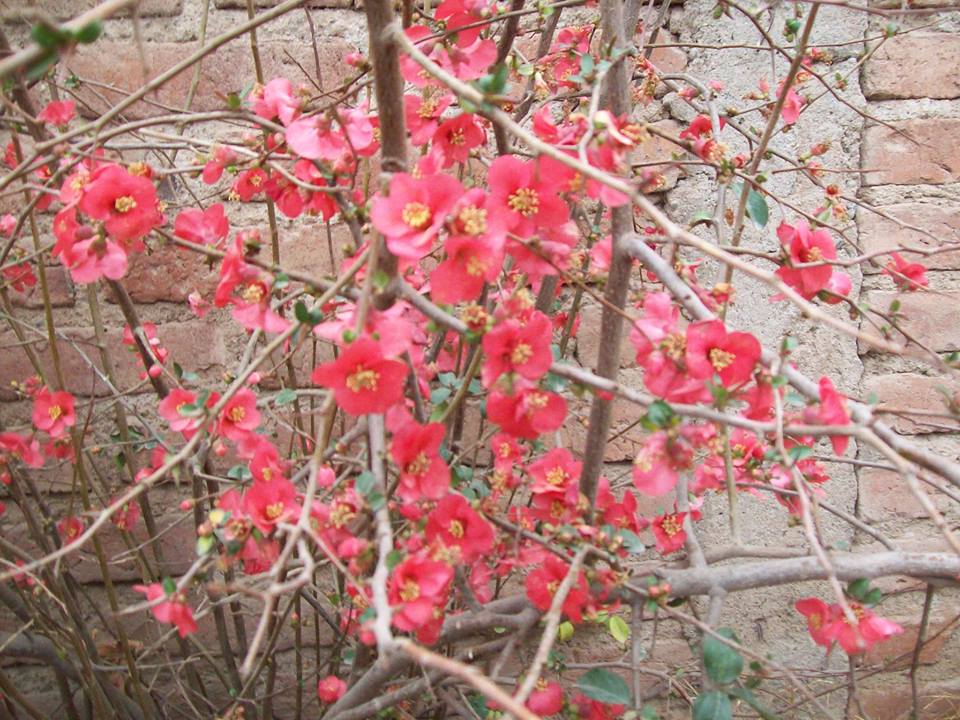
[[419, 465], [237, 414], [721, 359], [124, 204], [476, 267], [416, 215], [525, 201], [456, 529], [273, 510], [457, 137], [557, 476], [521, 354], [674, 347], [474, 220], [54, 411], [362, 379], [410, 591], [253, 293], [671, 526]]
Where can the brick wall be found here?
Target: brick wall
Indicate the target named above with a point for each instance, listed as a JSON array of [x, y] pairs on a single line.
[[912, 172]]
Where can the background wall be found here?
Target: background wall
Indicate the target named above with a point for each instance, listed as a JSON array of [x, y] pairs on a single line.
[[893, 140]]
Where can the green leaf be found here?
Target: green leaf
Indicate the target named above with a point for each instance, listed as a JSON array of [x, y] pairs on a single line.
[[169, 586], [660, 413], [494, 83], [364, 483], [858, 589], [440, 394], [603, 686], [757, 208], [722, 662], [285, 397], [799, 452], [565, 631], [49, 37], [713, 705], [205, 544], [619, 629], [700, 217], [631, 542], [88, 33]]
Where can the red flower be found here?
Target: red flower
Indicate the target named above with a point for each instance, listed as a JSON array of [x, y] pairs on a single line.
[[331, 689], [804, 245], [362, 380], [423, 473], [125, 203], [523, 197], [669, 533], [457, 525], [70, 529], [413, 213], [907, 276], [523, 348], [269, 503], [418, 592], [590, 709], [664, 455], [833, 411], [172, 611], [204, 227], [820, 617], [171, 410], [546, 698], [869, 630], [528, 412], [249, 183], [423, 115], [455, 138], [712, 350], [275, 100], [220, 158], [314, 138], [127, 516], [543, 583], [53, 412], [239, 416], [58, 113], [19, 277], [790, 112]]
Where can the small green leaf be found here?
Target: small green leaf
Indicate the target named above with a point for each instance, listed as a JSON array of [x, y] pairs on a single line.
[[631, 542], [799, 452], [88, 33], [285, 397], [713, 705], [858, 589], [660, 413], [565, 631], [722, 662], [169, 586], [757, 208], [205, 544], [49, 37], [440, 395], [619, 629], [603, 686]]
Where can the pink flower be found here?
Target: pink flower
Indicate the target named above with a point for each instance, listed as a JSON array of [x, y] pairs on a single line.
[[314, 138], [239, 416], [331, 689], [804, 245], [528, 412], [423, 115], [668, 532], [833, 411], [712, 350], [126, 203], [269, 503], [416, 450], [362, 379], [413, 213], [58, 113], [906, 275], [790, 112], [53, 412], [275, 100], [546, 698], [171, 408], [70, 529], [204, 227], [524, 197], [172, 611], [820, 617], [221, 157], [520, 347], [455, 138]]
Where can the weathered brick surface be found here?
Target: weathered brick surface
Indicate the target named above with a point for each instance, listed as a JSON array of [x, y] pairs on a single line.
[[941, 222], [909, 391], [930, 317], [657, 150], [912, 152], [169, 274], [242, 4], [589, 339], [60, 287], [64, 9], [197, 345], [884, 495], [900, 647], [915, 65], [230, 69]]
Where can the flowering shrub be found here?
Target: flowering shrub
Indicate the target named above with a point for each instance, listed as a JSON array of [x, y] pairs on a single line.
[[413, 481]]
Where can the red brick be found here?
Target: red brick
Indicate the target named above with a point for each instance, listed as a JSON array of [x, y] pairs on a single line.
[[914, 65], [885, 495], [169, 274], [930, 318], [60, 287], [912, 152], [667, 59], [913, 392], [657, 149], [589, 340], [942, 222], [901, 646], [196, 345], [888, 697], [242, 4], [65, 9], [228, 70]]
